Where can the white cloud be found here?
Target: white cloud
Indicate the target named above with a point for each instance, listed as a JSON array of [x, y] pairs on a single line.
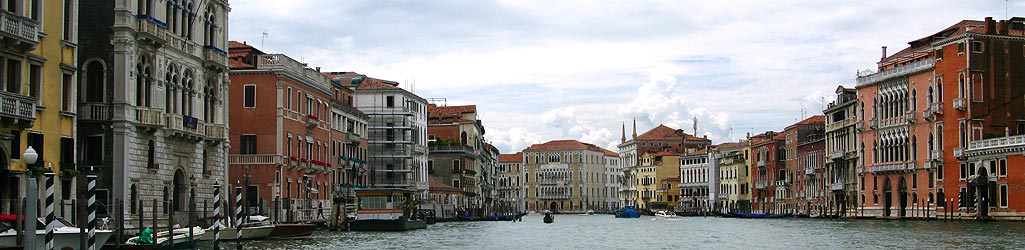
[[576, 128], [658, 102], [512, 140]]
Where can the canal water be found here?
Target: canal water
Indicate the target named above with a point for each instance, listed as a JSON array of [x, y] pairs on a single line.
[[607, 232]]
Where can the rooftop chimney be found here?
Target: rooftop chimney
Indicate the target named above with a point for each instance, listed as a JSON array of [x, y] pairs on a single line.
[[991, 27], [318, 69], [884, 54], [1002, 27]]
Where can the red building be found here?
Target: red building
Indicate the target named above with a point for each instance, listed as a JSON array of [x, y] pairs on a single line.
[[924, 107], [768, 154], [294, 135]]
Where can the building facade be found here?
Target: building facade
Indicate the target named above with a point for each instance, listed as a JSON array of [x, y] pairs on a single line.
[[658, 139], [39, 57], [842, 151], [567, 176], [458, 153], [767, 157], [396, 134], [734, 176], [699, 181], [800, 174], [153, 120], [512, 190]]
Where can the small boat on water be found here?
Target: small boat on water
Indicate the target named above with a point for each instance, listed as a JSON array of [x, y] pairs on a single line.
[[282, 230], [627, 212], [662, 214], [754, 215], [64, 235], [589, 212], [549, 218], [386, 209], [179, 238]]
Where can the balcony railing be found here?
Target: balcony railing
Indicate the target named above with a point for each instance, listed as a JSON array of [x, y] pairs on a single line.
[[911, 117], [94, 112], [960, 104], [837, 186], [180, 43], [312, 121], [217, 131], [149, 116], [837, 154], [903, 70], [761, 163], [17, 106], [761, 185], [873, 123], [1017, 140], [256, 159], [959, 152], [936, 155], [215, 55], [353, 137], [934, 109], [892, 167], [21, 28], [782, 183], [152, 28], [185, 124]]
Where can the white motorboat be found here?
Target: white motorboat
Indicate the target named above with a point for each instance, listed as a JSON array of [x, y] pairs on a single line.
[[665, 215], [180, 237], [63, 235], [589, 212]]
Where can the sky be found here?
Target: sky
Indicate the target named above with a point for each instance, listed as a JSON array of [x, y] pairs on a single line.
[[550, 70]]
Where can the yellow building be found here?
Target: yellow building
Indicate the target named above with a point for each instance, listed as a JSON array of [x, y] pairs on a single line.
[[734, 176], [37, 107], [658, 181]]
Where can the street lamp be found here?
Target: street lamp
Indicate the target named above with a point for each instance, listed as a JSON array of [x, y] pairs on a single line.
[[32, 198], [30, 157]]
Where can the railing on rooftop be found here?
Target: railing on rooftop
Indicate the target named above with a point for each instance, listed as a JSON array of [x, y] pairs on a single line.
[[903, 70]]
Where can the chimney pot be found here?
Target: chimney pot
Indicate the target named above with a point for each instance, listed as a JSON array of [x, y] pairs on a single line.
[[991, 26], [884, 53]]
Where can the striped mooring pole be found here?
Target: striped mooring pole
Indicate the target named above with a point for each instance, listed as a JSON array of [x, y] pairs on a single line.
[[49, 210], [238, 216], [91, 218], [217, 214]]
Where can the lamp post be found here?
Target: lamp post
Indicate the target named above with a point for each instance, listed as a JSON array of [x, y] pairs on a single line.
[[31, 199]]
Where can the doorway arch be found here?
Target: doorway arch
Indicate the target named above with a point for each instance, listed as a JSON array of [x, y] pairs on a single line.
[[178, 190], [887, 197], [553, 207], [902, 201]]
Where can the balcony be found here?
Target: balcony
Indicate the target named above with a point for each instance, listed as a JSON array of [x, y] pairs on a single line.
[[892, 167], [419, 149], [261, 159], [215, 57], [312, 121], [936, 155], [217, 131], [911, 117], [15, 108], [837, 186], [960, 104], [809, 170], [149, 117], [185, 125], [19, 31], [353, 137], [873, 123], [761, 163], [860, 125], [151, 29], [180, 43], [932, 111], [836, 155], [959, 152], [1000, 142], [465, 150], [780, 183], [760, 185], [899, 71], [94, 112]]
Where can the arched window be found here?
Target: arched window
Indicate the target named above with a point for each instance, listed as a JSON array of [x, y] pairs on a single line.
[[187, 93], [462, 138], [94, 82], [914, 100], [190, 16], [151, 155], [168, 91], [133, 199]]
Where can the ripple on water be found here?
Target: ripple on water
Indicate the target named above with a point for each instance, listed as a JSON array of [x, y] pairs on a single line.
[[606, 232]]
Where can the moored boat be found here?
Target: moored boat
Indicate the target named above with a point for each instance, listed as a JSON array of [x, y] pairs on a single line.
[[179, 238], [662, 214], [549, 218], [283, 230], [627, 212], [758, 215], [64, 235], [386, 209]]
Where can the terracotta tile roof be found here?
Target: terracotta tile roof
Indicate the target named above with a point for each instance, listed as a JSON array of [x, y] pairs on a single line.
[[568, 144], [814, 120], [918, 45], [661, 132], [662, 153], [434, 111], [236, 63], [517, 157], [671, 179], [237, 45], [439, 187], [375, 84], [730, 145], [610, 153]]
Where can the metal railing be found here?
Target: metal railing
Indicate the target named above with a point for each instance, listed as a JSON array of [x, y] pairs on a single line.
[[936, 154], [891, 167], [960, 104], [17, 106], [94, 112], [959, 152]]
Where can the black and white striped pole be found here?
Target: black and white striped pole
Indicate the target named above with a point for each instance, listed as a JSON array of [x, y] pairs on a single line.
[[217, 214], [238, 216], [49, 210], [91, 218]]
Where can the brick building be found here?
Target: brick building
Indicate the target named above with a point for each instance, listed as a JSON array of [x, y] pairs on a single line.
[[568, 176], [293, 126], [800, 174], [767, 170], [660, 138]]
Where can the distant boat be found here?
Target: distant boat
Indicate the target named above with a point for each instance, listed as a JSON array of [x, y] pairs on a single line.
[[386, 209], [589, 212], [627, 212], [662, 214], [754, 215], [549, 218]]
